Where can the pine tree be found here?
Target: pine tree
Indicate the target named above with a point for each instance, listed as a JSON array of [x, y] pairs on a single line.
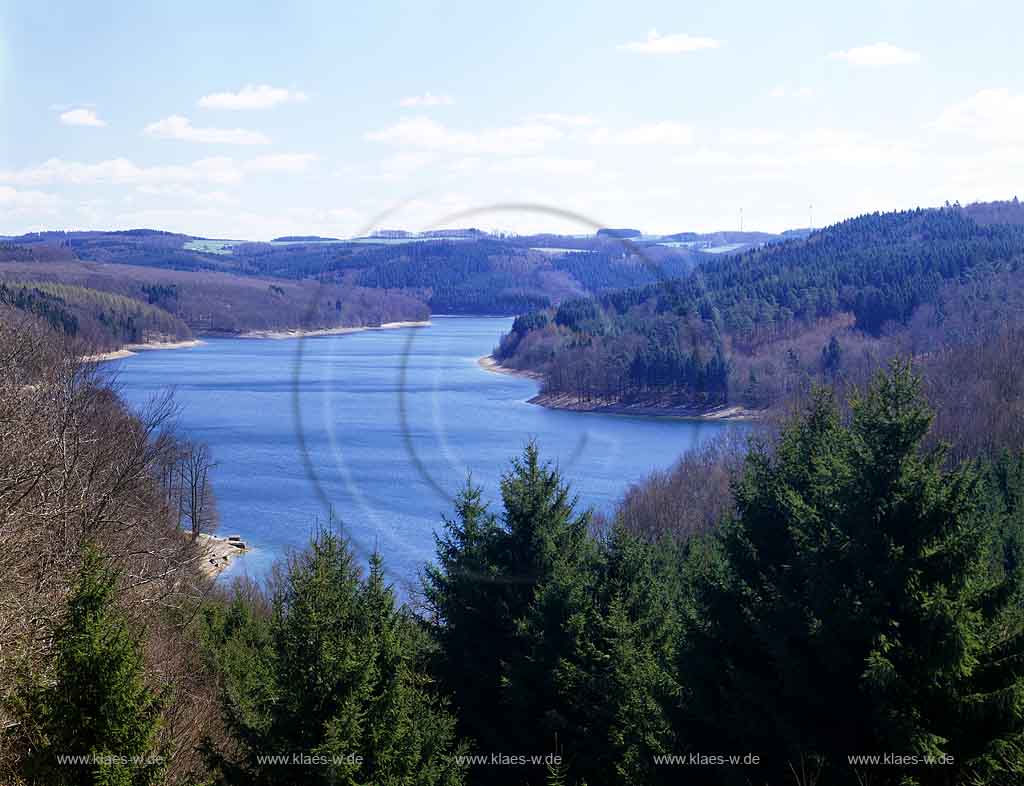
[[342, 680], [482, 593], [98, 708], [615, 676], [832, 357], [855, 609], [460, 590]]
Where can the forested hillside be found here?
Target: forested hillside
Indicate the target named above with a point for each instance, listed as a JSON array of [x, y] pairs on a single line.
[[469, 273], [843, 563], [110, 305], [100, 320], [747, 328], [95, 575]]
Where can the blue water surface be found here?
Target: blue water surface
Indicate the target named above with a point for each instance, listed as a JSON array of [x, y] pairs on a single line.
[[389, 484]]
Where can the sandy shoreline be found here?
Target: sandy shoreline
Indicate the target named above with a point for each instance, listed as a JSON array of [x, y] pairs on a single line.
[[488, 363], [217, 554], [130, 349], [338, 331], [571, 403]]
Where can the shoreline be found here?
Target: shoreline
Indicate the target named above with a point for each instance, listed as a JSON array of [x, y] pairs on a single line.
[[569, 403], [278, 335], [488, 363], [131, 349], [218, 554]]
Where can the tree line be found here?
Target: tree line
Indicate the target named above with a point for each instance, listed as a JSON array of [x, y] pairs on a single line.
[[865, 278], [857, 596]]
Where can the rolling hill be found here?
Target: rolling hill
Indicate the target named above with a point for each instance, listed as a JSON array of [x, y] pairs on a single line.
[[750, 328]]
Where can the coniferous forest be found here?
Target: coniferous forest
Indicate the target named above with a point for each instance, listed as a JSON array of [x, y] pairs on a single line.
[[749, 329], [837, 601], [540, 394]]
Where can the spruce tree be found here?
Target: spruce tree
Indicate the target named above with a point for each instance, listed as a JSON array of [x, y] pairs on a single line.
[[341, 685], [482, 594], [615, 677], [855, 610], [97, 721], [460, 591]]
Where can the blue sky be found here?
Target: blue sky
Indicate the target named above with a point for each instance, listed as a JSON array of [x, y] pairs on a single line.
[[252, 120]]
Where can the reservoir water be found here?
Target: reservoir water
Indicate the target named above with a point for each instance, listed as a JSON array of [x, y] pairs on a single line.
[[381, 427]]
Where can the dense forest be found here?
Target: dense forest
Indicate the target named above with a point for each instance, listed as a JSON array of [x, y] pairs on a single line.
[[844, 589], [837, 600], [745, 329], [472, 273], [309, 282], [111, 305], [102, 320]]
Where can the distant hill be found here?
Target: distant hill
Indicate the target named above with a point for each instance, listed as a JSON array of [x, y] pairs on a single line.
[[303, 239], [449, 271], [746, 328], [1008, 212], [107, 305], [100, 320]]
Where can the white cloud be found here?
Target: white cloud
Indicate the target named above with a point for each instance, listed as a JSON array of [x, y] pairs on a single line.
[[422, 132], [991, 115], [751, 136], [787, 91], [874, 55], [253, 97], [545, 165], [467, 164], [186, 192], [427, 99], [706, 157], [756, 154], [181, 128], [121, 170], [81, 117], [842, 146], [280, 162], [565, 120], [666, 133], [674, 44], [399, 166], [14, 200], [221, 170]]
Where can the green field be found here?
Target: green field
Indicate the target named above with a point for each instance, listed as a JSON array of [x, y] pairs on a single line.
[[211, 246]]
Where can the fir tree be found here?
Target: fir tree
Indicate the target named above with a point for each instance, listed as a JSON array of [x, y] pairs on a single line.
[[614, 675], [482, 594], [832, 357], [855, 609], [98, 709], [348, 686], [460, 590]]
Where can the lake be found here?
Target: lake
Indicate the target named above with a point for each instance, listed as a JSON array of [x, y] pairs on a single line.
[[381, 427]]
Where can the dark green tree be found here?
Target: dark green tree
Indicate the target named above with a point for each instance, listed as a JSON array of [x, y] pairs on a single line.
[[832, 357], [460, 591], [97, 721], [482, 595], [341, 688], [855, 609], [614, 630]]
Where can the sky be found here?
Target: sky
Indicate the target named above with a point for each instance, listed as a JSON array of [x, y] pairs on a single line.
[[253, 120]]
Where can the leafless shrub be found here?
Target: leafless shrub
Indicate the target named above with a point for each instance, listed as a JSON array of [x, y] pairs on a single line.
[[690, 498], [77, 466]]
